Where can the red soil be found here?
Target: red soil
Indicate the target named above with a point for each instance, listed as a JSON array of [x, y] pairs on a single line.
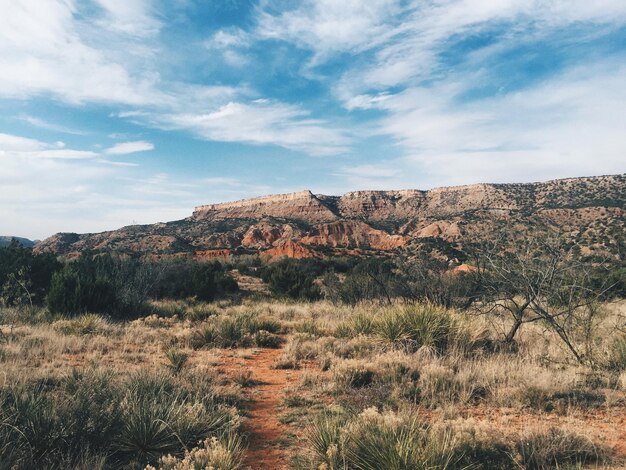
[[265, 431]]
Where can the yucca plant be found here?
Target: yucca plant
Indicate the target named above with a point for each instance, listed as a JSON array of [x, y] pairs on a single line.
[[86, 324], [363, 324], [324, 438], [176, 359], [205, 336], [230, 332], [391, 328], [146, 432], [427, 326], [376, 442]]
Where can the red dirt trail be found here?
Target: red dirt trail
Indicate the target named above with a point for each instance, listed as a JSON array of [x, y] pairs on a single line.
[[265, 431]]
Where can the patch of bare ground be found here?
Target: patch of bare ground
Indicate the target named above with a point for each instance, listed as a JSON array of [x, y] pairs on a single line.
[[264, 429]]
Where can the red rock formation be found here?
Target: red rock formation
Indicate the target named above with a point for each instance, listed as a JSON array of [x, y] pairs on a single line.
[[589, 210], [352, 233], [291, 249]]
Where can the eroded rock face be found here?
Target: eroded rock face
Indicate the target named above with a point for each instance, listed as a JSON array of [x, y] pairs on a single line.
[[591, 211], [291, 249], [303, 205], [352, 234]]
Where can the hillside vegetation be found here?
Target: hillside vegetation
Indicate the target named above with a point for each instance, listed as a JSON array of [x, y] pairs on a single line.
[[518, 360]]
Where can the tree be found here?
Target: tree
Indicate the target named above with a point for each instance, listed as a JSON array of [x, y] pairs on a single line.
[[286, 277], [540, 280]]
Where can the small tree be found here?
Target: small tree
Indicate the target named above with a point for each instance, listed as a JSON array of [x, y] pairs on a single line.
[[541, 280], [286, 277], [16, 290]]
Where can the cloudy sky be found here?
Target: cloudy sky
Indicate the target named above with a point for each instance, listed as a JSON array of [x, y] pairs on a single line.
[[115, 112]]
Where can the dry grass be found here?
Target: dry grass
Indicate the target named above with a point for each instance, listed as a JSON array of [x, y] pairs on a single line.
[[445, 370]]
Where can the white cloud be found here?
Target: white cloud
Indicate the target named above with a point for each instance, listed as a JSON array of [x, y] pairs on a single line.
[[43, 124], [571, 125], [134, 17], [42, 52], [125, 148], [263, 122], [16, 147], [42, 195], [329, 26]]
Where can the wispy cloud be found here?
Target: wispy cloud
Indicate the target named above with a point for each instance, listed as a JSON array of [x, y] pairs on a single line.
[[49, 126], [135, 17], [264, 122], [43, 52], [126, 148]]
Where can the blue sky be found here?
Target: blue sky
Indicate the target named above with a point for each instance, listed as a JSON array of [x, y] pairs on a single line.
[[115, 112]]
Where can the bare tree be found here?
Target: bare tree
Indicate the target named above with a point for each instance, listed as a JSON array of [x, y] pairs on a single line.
[[540, 280]]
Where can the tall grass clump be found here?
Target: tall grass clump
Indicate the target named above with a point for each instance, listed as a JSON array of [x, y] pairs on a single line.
[[92, 417], [239, 330], [427, 326], [218, 454], [176, 359], [86, 324], [414, 327], [556, 448], [373, 441]]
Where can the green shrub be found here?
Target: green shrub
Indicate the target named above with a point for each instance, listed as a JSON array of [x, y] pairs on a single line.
[[374, 441], [391, 329], [287, 278], [363, 324], [324, 439], [231, 332], [88, 418], [201, 312]]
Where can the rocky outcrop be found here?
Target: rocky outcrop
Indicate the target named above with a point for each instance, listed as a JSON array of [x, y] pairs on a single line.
[[291, 249], [352, 234], [303, 206], [590, 211]]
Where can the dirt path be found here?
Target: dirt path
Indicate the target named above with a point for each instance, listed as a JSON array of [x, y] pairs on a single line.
[[265, 431]]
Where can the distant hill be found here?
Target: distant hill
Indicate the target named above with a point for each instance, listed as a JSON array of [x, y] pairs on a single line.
[[5, 240], [590, 212]]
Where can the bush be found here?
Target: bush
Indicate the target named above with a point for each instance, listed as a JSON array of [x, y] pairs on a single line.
[[265, 339], [324, 439], [617, 354], [83, 325], [219, 454], [206, 336], [555, 448], [87, 417], [287, 278], [176, 359], [373, 441], [427, 326]]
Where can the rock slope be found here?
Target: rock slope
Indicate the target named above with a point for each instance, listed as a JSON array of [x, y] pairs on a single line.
[[590, 211]]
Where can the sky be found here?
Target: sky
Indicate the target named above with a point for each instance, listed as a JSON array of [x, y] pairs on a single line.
[[117, 112]]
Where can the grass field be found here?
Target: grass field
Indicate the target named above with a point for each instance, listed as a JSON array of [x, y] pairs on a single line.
[[269, 384]]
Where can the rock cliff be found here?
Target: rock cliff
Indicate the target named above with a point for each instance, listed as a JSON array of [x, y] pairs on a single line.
[[588, 211]]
